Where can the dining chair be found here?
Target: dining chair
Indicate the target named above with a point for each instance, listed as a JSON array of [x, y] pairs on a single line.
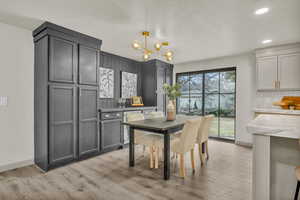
[[157, 150], [140, 137], [153, 115], [183, 143], [202, 138], [297, 171], [157, 114]]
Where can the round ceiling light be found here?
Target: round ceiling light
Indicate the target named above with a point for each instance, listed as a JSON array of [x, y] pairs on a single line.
[[262, 11], [266, 41]]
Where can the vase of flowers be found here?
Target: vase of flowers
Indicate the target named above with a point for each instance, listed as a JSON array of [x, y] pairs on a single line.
[[172, 91]]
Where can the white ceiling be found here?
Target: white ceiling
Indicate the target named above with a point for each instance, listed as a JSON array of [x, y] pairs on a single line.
[[196, 29]]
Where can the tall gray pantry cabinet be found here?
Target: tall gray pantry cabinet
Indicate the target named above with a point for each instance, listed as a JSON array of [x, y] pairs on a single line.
[[65, 96]]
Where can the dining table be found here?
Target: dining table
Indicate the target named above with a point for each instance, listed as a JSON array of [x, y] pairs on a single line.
[[159, 126]]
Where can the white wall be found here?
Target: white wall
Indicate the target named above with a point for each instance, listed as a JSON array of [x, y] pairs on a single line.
[[16, 82], [245, 86]]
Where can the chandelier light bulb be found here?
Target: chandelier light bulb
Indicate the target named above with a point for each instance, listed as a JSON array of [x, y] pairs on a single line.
[[169, 53], [169, 58], [157, 46], [146, 56], [155, 51], [136, 45]]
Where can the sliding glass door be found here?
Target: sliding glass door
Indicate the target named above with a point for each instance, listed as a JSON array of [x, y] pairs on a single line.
[[210, 92]]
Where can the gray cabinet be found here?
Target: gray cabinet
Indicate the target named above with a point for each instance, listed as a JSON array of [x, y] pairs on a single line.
[[62, 60], [169, 80], [65, 102], [88, 65], [155, 74], [160, 81], [111, 131], [88, 121], [62, 124]]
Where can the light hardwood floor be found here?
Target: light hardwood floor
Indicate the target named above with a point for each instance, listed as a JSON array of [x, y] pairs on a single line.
[[227, 175]]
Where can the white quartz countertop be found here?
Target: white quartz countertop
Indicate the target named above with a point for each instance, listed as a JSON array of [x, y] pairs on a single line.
[[283, 134], [276, 111], [287, 126]]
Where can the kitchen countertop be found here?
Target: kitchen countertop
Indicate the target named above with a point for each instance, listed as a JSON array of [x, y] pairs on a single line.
[[283, 134], [120, 109], [284, 126], [277, 111]]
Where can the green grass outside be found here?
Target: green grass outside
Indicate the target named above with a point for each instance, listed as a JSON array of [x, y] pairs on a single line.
[[226, 128]]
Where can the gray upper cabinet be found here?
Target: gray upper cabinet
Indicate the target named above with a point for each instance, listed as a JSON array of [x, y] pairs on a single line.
[[169, 80], [62, 124], [88, 65], [62, 60], [161, 79], [169, 75], [88, 121], [155, 74]]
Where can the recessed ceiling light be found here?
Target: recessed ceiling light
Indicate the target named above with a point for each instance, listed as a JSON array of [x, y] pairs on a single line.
[[261, 11], [266, 41]]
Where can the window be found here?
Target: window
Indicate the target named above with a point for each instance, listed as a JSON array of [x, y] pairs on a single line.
[[210, 92]]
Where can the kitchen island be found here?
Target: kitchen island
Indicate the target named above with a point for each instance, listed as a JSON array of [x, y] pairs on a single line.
[[276, 153]]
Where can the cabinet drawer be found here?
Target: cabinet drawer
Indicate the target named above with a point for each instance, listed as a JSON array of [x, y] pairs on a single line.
[[111, 115]]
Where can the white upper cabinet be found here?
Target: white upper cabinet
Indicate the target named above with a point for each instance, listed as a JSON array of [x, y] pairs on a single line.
[[278, 68], [289, 71], [267, 73]]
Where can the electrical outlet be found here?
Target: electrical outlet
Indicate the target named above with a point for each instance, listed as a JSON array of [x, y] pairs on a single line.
[[3, 101]]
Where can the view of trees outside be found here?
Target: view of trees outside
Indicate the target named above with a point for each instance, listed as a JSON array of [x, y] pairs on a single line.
[[219, 99], [183, 101], [196, 87]]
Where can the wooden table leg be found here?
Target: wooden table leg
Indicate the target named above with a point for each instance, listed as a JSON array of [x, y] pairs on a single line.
[[131, 147], [166, 156]]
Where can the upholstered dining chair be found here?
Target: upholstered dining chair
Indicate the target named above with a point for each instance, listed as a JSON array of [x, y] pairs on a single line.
[[153, 115], [183, 143], [297, 171], [202, 138], [157, 114], [140, 137]]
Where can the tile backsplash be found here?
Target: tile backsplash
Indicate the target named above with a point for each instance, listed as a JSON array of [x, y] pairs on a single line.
[[265, 99]]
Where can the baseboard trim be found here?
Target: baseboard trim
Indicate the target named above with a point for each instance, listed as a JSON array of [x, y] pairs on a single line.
[[245, 144], [16, 165]]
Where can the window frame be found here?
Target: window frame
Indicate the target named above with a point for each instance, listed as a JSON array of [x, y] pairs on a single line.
[[219, 93]]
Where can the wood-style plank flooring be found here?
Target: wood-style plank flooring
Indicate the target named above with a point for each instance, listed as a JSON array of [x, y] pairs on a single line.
[[227, 175]]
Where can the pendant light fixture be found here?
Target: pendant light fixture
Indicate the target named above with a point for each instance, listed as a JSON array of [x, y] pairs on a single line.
[[158, 48]]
